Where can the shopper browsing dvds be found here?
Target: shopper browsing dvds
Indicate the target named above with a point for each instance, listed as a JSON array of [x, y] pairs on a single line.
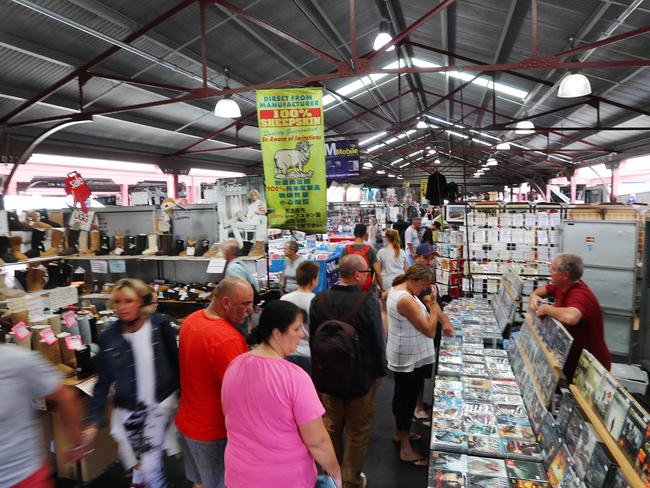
[[576, 307], [273, 415], [392, 259]]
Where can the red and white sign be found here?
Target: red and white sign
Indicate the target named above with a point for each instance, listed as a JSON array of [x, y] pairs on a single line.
[[21, 330], [48, 336], [76, 186], [73, 342], [70, 319]]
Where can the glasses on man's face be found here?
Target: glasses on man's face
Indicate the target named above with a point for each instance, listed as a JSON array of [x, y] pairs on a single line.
[[364, 271]]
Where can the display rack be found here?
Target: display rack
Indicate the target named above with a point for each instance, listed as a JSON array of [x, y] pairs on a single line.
[[522, 236], [624, 465]]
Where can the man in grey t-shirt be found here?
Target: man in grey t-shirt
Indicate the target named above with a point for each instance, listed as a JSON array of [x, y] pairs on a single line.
[[26, 376]]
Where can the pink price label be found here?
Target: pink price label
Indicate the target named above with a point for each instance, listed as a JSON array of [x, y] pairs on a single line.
[[21, 330], [73, 342], [70, 319], [48, 336]]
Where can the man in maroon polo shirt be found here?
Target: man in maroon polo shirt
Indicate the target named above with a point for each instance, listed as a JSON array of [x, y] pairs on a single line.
[[576, 307]]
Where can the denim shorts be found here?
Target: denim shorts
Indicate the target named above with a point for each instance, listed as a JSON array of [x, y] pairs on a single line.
[[204, 461]]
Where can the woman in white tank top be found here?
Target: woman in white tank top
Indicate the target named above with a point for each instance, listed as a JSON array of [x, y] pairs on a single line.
[[410, 350]]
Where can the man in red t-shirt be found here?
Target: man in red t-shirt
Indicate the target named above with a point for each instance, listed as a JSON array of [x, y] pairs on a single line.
[[576, 307], [367, 252], [208, 343]]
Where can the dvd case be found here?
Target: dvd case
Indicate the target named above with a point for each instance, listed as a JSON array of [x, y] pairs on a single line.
[[634, 429], [485, 466], [584, 450], [447, 479], [617, 412], [559, 466], [448, 461], [525, 470]]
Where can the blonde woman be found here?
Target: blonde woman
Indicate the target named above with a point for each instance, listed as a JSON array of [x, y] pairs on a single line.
[[139, 356], [392, 258]]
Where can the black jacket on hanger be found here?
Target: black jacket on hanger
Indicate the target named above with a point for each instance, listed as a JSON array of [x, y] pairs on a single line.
[[436, 189]]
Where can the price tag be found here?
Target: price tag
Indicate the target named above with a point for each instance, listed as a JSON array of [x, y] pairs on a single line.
[[216, 266], [15, 305], [48, 336], [21, 330], [99, 266], [80, 220], [117, 266], [4, 223], [190, 251], [73, 342], [70, 319], [118, 251]]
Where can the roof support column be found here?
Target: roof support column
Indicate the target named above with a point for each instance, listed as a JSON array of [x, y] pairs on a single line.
[[573, 182], [124, 194], [615, 180]]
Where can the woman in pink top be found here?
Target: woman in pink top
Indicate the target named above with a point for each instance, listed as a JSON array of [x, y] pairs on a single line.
[[273, 414]]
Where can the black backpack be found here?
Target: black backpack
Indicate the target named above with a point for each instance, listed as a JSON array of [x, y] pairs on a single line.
[[341, 362]]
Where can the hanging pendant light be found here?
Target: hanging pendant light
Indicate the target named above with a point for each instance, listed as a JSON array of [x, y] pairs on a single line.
[[574, 85], [383, 37], [421, 124], [503, 146], [491, 162], [436, 162], [524, 128], [227, 107]]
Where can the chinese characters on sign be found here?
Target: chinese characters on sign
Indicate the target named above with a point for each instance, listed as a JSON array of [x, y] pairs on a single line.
[[293, 151]]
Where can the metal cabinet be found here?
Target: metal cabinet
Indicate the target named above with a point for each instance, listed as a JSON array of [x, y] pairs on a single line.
[[609, 252]]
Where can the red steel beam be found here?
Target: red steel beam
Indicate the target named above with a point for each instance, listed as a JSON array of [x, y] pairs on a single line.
[[96, 60], [527, 77], [414, 26], [214, 134], [132, 81], [606, 41], [284, 35]]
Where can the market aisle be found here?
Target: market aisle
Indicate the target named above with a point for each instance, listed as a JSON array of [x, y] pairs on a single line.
[[382, 465]]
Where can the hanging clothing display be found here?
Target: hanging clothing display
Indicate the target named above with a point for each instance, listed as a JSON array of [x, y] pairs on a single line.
[[436, 189]]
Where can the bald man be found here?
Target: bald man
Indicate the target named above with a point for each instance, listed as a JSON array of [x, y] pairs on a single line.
[[209, 341]]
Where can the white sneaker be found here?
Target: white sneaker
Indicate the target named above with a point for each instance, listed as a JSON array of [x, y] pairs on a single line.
[[364, 480]]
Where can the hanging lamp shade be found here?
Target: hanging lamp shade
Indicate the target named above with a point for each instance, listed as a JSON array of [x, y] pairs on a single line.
[[383, 37], [436, 162], [491, 162], [503, 146], [227, 108], [574, 85], [421, 124], [525, 127]]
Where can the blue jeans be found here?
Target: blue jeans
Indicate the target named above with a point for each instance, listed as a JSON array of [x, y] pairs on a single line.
[[204, 461]]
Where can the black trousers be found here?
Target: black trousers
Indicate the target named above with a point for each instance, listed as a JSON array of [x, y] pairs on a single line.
[[407, 386]]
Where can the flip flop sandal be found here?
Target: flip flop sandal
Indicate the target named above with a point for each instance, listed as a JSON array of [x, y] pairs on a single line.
[[413, 437], [416, 462], [424, 421]]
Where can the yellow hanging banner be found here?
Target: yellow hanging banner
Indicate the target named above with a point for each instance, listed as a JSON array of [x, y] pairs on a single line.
[[293, 150], [423, 189]]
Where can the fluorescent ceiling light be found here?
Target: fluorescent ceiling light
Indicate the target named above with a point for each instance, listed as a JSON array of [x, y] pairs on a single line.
[[214, 172], [481, 142], [400, 177], [457, 134], [431, 152], [484, 134], [397, 161], [368, 140], [405, 165], [381, 172], [525, 128], [414, 153], [391, 140], [574, 85], [367, 81], [367, 165], [390, 175]]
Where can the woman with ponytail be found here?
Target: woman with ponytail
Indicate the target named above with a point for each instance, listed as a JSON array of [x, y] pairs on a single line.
[[392, 258], [273, 414]]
